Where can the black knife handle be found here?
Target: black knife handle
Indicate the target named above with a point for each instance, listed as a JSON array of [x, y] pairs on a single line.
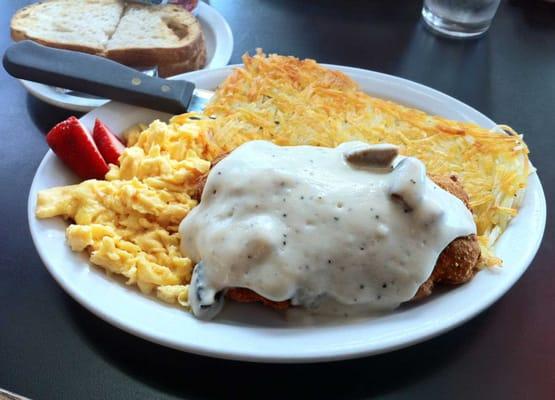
[[96, 75]]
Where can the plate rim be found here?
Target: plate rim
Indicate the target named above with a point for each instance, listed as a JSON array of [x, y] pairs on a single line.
[[214, 21], [338, 354]]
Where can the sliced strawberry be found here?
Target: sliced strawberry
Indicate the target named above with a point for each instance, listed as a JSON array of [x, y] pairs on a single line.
[[75, 147], [108, 144]]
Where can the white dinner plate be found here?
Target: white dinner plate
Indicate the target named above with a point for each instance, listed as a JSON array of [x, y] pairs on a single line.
[[255, 333], [219, 46]]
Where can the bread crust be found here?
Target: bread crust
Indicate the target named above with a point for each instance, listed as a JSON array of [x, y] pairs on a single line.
[[18, 36], [196, 63], [158, 56]]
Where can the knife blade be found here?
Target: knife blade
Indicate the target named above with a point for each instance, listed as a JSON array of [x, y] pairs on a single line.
[[102, 77]]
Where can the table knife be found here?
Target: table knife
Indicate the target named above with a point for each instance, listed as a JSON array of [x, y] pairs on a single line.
[[102, 77]]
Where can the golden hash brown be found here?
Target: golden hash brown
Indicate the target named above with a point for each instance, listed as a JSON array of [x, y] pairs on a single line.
[[295, 102]]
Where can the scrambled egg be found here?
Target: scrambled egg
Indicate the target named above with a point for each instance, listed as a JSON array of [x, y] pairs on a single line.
[[129, 222]]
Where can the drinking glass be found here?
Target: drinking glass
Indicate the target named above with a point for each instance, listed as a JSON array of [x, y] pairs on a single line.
[[459, 18]]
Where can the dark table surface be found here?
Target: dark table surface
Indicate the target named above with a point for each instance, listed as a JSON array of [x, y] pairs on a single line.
[[52, 348]]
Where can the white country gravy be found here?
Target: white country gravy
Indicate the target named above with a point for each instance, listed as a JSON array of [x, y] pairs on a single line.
[[356, 224]]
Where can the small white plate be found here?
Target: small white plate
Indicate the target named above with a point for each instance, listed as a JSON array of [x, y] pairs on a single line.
[[254, 333], [219, 47]]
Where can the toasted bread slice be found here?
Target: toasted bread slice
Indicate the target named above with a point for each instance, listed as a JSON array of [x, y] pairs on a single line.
[[155, 35], [136, 35], [61, 23]]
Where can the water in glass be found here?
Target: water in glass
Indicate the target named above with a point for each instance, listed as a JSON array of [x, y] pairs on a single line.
[[460, 18]]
